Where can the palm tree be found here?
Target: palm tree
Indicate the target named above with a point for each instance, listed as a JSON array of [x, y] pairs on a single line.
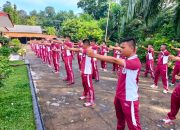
[[149, 9]]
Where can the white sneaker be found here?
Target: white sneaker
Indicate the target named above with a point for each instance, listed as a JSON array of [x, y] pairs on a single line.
[[165, 91], [88, 104], [105, 70], [82, 98], [167, 121], [154, 86], [171, 84]]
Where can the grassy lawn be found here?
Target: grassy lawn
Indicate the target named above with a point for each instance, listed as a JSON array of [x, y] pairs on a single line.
[[16, 111]]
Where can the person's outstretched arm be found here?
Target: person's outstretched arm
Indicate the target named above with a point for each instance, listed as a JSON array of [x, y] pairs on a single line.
[[109, 59], [176, 58]]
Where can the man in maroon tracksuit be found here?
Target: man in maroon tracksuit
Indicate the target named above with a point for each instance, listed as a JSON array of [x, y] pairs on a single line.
[[149, 61], [127, 99], [175, 100], [104, 51], [86, 74], [55, 56], [68, 57], [95, 48], [176, 68], [162, 68]]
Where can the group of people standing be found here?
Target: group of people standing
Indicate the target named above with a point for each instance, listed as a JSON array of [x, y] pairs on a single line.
[[125, 61]]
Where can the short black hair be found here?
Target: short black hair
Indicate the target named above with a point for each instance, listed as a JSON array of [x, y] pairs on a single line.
[[86, 42], [150, 44], [132, 41], [68, 36], [93, 40], [104, 42], [164, 44]]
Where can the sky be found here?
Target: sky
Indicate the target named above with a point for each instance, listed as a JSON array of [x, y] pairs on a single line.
[[29, 5]]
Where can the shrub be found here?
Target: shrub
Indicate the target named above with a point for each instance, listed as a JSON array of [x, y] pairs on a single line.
[[81, 29], [5, 51], [5, 69], [15, 45], [4, 40]]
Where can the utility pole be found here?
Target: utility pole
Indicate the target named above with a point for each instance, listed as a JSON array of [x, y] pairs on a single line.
[[107, 21]]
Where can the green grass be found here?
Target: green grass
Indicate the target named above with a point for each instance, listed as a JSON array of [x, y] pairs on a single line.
[[16, 111]]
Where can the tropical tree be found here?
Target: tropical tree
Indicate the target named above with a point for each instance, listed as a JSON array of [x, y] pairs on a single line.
[[150, 9], [81, 29], [97, 8], [50, 30], [32, 20]]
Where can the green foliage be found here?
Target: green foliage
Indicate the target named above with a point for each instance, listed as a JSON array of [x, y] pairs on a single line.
[[16, 111], [80, 29], [96, 8], [71, 27], [32, 20], [4, 40], [22, 52], [15, 45], [5, 69], [50, 11], [86, 17], [50, 30], [157, 40], [90, 30], [5, 51], [15, 42]]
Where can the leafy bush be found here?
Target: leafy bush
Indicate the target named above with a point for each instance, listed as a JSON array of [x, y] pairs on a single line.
[[5, 51], [15, 45], [50, 30], [22, 52], [5, 69], [81, 29], [4, 40]]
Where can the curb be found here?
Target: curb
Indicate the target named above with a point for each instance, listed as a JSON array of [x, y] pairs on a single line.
[[37, 112]]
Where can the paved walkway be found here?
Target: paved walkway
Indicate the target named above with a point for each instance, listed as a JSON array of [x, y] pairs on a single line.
[[61, 109]]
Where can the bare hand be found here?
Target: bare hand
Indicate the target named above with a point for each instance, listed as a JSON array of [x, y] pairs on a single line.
[[177, 77], [172, 47], [111, 47], [172, 57], [65, 47]]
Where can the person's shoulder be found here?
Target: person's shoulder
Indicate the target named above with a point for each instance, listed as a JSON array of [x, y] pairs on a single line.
[[135, 61]]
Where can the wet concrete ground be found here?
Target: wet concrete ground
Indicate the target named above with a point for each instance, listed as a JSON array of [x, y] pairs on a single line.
[[61, 109]]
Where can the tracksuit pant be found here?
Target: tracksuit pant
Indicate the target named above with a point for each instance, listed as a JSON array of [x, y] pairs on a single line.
[[149, 68], [37, 52], [49, 57], [68, 67], [103, 64], [162, 70], [175, 72], [175, 103], [56, 63], [127, 111], [115, 67], [95, 74], [88, 87], [44, 55], [79, 58]]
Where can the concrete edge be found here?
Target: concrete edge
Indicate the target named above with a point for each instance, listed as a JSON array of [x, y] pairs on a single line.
[[37, 112]]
